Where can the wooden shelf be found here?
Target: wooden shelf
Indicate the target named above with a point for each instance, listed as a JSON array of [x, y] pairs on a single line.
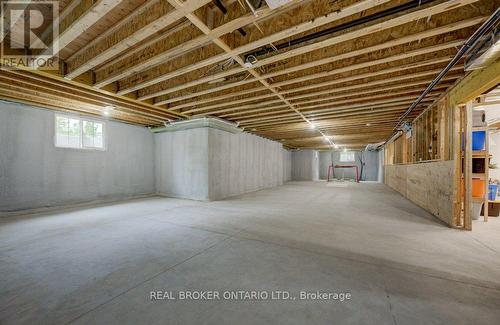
[[479, 154], [478, 199]]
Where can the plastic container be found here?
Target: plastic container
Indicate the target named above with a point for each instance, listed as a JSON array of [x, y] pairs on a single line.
[[476, 210], [478, 187], [478, 140], [492, 192]]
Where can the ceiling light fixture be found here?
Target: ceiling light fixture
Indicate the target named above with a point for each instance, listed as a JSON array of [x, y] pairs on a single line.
[[250, 61], [107, 109]]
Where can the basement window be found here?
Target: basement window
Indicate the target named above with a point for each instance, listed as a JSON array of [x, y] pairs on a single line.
[[78, 133], [347, 156]]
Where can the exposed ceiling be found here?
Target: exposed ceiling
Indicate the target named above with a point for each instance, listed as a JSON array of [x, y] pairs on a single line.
[[350, 68]]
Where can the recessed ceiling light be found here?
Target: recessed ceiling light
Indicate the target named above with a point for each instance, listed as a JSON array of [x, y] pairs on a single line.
[[312, 125]]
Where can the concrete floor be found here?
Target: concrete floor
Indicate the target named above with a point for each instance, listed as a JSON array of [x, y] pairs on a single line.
[[98, 265]]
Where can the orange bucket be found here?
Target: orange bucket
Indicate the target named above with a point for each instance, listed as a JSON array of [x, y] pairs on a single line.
[[478, 187]]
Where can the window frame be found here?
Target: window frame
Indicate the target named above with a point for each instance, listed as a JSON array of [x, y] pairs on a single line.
[[81, 120], [348, 152]]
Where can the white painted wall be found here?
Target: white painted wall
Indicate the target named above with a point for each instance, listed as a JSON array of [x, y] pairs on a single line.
[[34, 173]]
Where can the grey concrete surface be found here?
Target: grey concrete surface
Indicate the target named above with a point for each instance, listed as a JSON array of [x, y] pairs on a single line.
[[34, 173], [181, 163], [210, 164], [98, 265], [241, 163], [305, 165], [370, 170]]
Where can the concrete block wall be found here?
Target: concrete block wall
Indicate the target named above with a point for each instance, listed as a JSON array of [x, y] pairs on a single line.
[[34, 173]]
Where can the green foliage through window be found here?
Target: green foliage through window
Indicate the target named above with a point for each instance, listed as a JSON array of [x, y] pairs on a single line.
[[78, 133]]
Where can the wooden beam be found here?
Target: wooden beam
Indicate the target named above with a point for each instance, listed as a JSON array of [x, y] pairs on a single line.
[[315, 95], [328, 83], [72, 86], [39, 99], [93, 14], [137, 30], [373, 74], [468, 167], [285, 119], [348, 105], [389, 44], [215, 34], [401, 20], [475, 83], [358, 99], [389, 59], [409, 54], [76, 96], [400, 80], [193, 44], [138, 11], [270, 110]]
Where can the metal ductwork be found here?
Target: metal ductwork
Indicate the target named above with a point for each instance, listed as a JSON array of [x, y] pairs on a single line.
[[485, 52]]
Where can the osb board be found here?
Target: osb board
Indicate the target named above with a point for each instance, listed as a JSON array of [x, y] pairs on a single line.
[[395, 177], [429, 185]]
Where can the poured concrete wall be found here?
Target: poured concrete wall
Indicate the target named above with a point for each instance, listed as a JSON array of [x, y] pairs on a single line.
[[34, 173], [242, 162], [181, 163], [206, 163], [305, 165], [287, 166], [370, 171]]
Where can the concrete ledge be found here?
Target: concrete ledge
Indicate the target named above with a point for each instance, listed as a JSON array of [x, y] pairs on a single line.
[[202, 122]]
